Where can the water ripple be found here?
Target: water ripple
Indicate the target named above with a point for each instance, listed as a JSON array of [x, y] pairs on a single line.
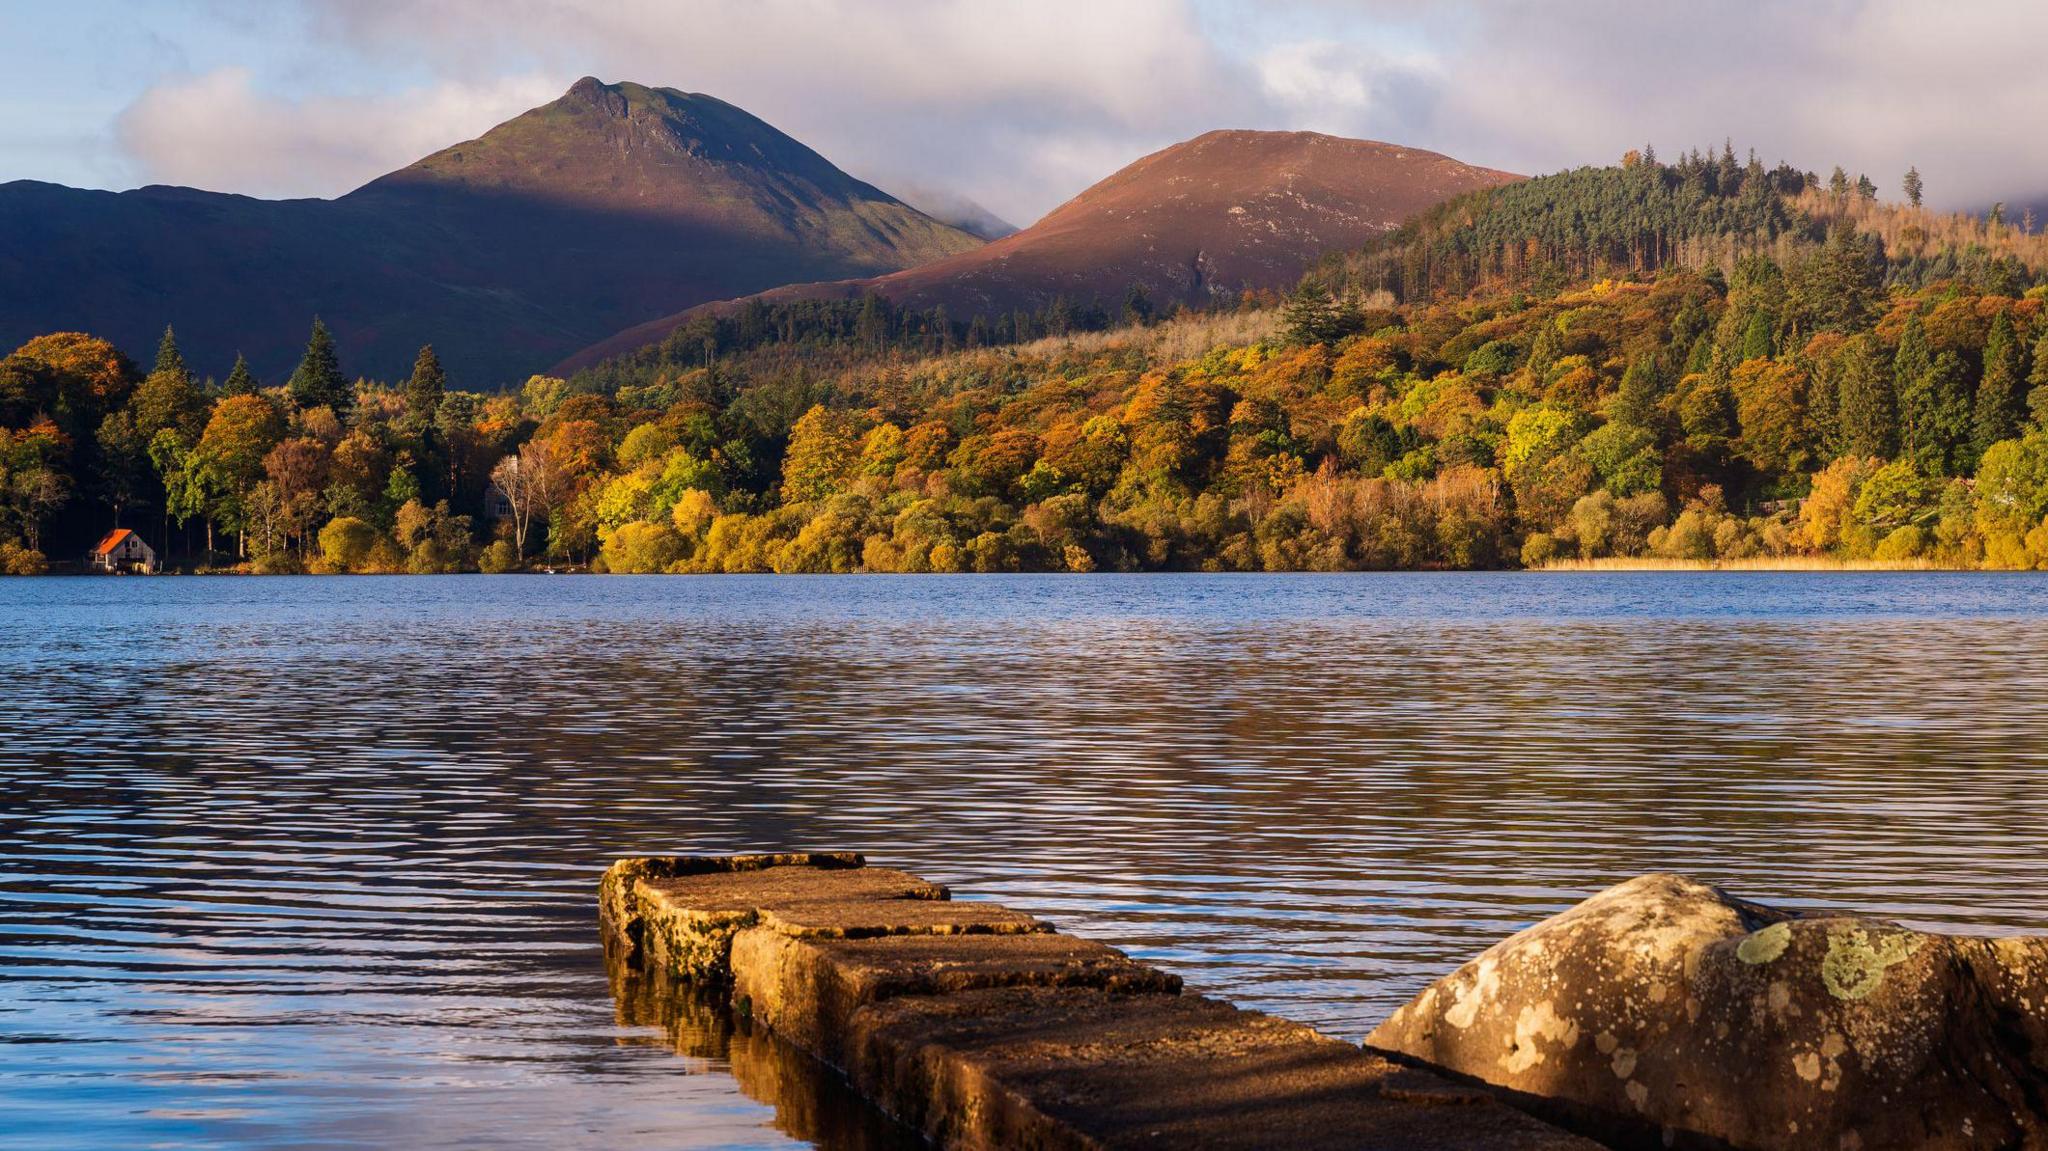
[[309, 863]]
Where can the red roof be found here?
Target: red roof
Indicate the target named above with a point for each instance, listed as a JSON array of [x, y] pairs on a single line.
[[112, 541]]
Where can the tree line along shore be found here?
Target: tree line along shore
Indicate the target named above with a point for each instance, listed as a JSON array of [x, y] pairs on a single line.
[[1759, 369]]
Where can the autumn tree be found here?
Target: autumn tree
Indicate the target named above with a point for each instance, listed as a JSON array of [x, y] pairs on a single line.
[[1770, 407], [168, 397], [228, 461], [531, 481], [823, 449], [297, 469], [34, 481]]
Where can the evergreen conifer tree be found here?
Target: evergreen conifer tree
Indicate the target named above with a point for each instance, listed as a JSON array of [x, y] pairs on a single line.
[[1934, 414], [168, 358], [2037, 398], [318, 381], [1756, 339], [1913, 359], [423, 392], [1310, 314], [2001, 394], [241, 381], [1913, 186], [1867, 404], [168, 398], [1635, 403]]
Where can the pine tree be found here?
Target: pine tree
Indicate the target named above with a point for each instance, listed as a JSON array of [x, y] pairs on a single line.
[[318, 382], [1867, 404], [168, 398], [423, 392], [1913, 186], [2001, 393], [2037, 398], [1635, 403], [1913, 359], [1310, 315], [1824, 406], [1727, 174], [241, 381], [1702, 355], [1934, 414], [168, 358], [1756, 339]]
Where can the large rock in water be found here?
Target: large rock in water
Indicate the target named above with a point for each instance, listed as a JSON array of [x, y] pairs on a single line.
[[1664, 1012]]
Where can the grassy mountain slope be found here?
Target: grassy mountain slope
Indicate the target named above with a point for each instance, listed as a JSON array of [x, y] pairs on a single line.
[[1193, 224], [612, 203]]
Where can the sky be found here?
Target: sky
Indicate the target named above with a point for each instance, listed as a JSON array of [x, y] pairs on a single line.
[[1020, 105]]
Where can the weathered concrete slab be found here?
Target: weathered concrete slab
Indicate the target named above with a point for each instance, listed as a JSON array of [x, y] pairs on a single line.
[[1666, 1013], [1079, 1068], [982, 1028], [619, 892], [808, 989], [681, 912]]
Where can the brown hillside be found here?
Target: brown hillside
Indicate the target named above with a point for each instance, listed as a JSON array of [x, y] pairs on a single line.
[[1224, 212]]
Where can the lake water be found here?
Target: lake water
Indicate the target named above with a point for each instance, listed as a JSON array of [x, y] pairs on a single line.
[[312, 863]]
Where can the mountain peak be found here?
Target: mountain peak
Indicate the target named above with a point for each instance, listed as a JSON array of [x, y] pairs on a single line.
[[606, 205], [631, 145], [1194, 223], [597, 94]]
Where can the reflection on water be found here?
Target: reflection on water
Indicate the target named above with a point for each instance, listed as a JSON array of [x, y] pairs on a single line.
[[312, 863], [810, 1104]]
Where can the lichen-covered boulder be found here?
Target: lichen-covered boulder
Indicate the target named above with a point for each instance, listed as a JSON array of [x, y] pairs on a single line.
[[1664, 1012]]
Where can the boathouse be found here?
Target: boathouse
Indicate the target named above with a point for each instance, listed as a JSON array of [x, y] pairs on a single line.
[[121, 551]]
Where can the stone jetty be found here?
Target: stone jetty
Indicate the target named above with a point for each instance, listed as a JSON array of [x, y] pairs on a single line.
[[978, 1026]]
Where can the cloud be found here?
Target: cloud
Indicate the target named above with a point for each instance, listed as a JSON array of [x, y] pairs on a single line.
[[219, 131], [1874, 85], [1020, 106], [993, 99]]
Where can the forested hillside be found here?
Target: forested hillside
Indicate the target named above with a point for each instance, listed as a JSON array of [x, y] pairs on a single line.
[[1775, 369], [1699, 213]]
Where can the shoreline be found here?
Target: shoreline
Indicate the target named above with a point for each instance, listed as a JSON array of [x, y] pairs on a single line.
[[1605, 564], [1761, 564]]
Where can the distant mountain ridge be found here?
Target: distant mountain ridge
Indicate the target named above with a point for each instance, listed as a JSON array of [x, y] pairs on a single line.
[[614, 203], [1193, 223]]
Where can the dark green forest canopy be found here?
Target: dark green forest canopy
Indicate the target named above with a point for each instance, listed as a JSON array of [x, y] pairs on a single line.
[[1546, 233]]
